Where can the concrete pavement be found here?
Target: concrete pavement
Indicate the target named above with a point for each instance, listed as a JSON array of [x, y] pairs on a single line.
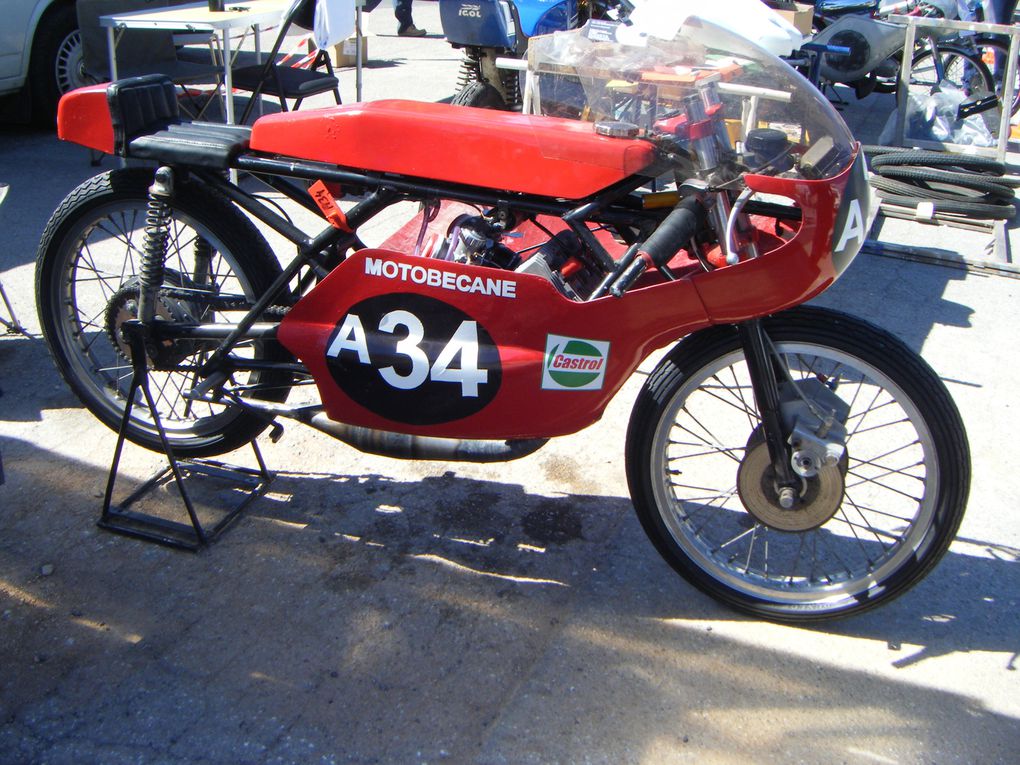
[[375, 611]]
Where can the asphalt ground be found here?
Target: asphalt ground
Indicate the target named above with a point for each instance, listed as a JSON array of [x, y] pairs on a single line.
[[369, 610]]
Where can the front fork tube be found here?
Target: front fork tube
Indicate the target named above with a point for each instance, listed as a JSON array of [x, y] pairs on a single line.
[[766, 395]]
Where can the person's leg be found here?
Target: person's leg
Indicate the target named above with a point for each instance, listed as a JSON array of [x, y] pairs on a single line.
[[405, 24], [402, 10]]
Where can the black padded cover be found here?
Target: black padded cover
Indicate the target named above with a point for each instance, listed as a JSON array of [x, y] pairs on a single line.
[[139, 105]]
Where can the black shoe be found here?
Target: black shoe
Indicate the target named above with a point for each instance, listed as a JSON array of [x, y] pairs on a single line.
[[411, 31]]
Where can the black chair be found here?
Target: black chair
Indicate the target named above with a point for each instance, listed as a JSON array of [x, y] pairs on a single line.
[[275, 79], [140, 51]]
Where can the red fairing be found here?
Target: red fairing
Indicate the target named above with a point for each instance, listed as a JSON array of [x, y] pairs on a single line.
[[432, 347], [492, 382], [479, 147], [83, 117], [797, 270]]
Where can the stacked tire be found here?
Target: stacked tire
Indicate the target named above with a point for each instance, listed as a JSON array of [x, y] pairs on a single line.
[[954, 185]]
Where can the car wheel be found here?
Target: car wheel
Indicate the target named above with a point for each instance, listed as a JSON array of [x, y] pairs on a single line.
[[56, 62]]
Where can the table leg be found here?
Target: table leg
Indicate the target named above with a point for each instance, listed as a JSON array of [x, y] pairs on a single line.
[[111, 42], [258, 54], [228, 77]]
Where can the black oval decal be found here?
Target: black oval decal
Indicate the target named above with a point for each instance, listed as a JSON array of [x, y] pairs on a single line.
[[414, 359]]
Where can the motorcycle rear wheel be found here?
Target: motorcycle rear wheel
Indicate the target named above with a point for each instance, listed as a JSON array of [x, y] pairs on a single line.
[[869, 528], [87, 285]]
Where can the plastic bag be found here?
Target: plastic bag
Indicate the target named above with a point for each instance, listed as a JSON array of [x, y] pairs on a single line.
[[934, 117]]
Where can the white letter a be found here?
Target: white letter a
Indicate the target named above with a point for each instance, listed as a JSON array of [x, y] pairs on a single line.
[[350, 337], [854, 226]]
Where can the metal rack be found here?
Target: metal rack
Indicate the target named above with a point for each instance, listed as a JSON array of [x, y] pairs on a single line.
[[911, 24]]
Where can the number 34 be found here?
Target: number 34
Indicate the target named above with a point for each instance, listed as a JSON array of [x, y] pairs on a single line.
[[464, 343]]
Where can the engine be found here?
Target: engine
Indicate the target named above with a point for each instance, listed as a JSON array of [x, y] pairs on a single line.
[[561, 259]]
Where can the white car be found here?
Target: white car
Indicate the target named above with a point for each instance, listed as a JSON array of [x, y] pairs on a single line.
[[40, 54]]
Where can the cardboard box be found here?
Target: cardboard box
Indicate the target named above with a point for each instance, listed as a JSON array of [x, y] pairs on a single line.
[[344, 53], [799, 15]]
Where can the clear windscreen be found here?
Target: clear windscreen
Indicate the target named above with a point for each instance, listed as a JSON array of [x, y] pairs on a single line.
[[716, 105]]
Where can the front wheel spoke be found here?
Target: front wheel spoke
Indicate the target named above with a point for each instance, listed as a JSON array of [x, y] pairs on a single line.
[[870, 408], [884, 513], [853, 530], [880, 426], [710, 506], [878, 533], [874, 461], [729, 451], [709, 439], [902, 472], [734, 540], [734, 400], [750, 547], [828, 545], [882, 485]]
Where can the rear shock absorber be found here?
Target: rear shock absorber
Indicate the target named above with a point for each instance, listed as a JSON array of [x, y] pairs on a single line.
[[157, 232], [470, 68]]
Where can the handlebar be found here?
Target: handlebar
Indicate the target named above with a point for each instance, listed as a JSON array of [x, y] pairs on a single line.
[[679, 227]]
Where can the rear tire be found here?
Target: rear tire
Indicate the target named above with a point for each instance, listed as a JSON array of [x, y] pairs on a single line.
[[868, 528], [480, 95], [87, 284]]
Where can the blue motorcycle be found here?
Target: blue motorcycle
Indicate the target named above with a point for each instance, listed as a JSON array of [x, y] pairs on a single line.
[[490, 29]]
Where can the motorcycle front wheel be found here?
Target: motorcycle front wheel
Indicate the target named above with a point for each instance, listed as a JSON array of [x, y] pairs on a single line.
[[87, 286], [863, 531]]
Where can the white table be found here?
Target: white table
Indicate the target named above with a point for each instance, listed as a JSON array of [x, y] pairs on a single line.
[[198, 18]]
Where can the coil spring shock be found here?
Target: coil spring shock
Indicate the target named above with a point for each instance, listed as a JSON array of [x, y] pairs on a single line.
[[470, 69], [157, 232], [511, 87]]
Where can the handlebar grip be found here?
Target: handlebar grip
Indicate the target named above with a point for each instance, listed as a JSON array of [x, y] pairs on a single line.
[[673, 233]]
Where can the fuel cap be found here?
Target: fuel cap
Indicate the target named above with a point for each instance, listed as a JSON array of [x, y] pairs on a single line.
[[617, 129]]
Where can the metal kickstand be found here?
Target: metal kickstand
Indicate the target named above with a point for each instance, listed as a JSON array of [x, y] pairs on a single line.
[[13, 326], [187, 536]]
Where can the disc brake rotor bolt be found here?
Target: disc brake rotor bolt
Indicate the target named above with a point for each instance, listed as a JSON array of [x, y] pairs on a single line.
[[787, 498]]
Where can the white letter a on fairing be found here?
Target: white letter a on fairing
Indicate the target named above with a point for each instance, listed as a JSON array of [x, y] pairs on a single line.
[[351, 337], [854, 226]]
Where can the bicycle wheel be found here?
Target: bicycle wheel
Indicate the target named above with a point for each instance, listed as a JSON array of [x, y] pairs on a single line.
[[961, 69], [994, 53], [864, 529], [87, 285]]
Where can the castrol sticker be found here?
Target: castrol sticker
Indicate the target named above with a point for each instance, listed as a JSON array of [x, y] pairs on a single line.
[[573, 363]]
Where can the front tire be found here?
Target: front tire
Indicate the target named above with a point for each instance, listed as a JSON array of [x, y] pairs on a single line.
[[881, 520], [87, 286]]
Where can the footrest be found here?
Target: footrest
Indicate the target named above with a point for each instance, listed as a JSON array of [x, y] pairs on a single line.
[[207, 144]]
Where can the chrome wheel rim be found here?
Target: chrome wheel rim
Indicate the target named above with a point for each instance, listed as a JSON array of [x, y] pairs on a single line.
[[890, 483]]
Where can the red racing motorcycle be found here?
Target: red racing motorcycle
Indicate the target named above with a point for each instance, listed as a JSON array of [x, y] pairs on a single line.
[[794, 462]]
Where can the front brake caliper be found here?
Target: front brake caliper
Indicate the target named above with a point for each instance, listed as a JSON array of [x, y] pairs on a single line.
[[815, 418]]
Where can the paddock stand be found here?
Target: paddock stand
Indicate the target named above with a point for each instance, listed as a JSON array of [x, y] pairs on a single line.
[[13, 325], [193, 535]]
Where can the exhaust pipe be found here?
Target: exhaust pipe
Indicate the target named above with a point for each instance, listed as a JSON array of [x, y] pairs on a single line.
[[398, 445], [403, 446]]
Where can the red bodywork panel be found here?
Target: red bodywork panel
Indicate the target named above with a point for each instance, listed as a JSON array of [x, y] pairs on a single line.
[[83, 117], [459, 144], [432, 347]]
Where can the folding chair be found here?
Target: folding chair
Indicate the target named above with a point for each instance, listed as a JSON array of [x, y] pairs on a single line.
[[140, 51], [274, 78]]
